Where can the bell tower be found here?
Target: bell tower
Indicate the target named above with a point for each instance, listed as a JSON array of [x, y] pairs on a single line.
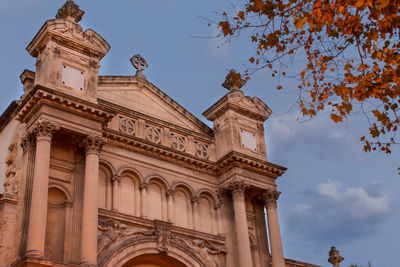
[[238, 121], [67, 58]]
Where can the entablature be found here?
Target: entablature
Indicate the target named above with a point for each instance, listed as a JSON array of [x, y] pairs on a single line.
[[41, 95], [237, 159]]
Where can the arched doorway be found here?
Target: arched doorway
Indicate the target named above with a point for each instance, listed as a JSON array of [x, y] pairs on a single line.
[[144, 252], [154, 260]]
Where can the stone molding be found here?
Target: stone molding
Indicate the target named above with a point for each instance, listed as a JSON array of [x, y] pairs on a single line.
[[93, 144], [42, 95], [270, 198]]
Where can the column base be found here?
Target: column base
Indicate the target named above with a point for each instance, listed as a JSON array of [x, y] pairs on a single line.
[[31, 261]]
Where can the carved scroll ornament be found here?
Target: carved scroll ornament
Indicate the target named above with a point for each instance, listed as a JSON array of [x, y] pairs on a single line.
[[112, 231]]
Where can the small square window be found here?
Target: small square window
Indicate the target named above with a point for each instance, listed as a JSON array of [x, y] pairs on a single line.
[[73, 78]]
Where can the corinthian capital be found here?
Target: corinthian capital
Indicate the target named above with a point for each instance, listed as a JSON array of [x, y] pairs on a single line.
[[270, 198], [28, 141], [237, 188], [93, 144], [44, 129]]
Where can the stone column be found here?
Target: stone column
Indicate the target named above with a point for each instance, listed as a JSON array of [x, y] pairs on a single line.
[[195, 206], [92, 145], [143, 199], [44, 131], [115, 197], [271, 196], [242, 232], [170, 200]]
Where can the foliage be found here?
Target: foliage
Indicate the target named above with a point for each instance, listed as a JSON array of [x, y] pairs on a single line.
[[351, 54]]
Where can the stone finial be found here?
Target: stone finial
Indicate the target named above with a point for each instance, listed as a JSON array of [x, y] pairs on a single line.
[[334, 257], [140, 64], [71, 11], [233, 81]]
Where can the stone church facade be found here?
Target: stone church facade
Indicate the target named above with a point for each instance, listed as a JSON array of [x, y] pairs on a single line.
[[110, 171]]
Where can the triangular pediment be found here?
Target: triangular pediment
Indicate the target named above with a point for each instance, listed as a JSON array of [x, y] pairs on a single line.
[[140, 96]]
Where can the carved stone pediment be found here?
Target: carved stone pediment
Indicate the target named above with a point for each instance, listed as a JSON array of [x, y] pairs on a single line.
[[68, 33], [237, 101]]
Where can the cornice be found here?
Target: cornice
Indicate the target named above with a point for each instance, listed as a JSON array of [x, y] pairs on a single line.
[[62, 31], [233, 159], [236, 159], [41, 95], [156, 150], [237, 101]]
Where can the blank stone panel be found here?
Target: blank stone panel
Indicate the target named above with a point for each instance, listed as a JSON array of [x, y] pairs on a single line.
[[73, 78], [248, 140]]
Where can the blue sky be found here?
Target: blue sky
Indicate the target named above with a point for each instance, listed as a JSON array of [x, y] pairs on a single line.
[[333, 194]]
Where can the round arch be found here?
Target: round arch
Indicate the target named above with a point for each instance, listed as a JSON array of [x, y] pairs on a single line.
[[210, 195], [183, 185], [128, 169], [161, 180], [125, 254], [104, 164]]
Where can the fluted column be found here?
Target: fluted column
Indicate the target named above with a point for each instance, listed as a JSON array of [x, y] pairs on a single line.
[[242, 232], [195, 206], [170, 200], [143, 200], [271, 196], [44, 131], [92, 146], [115, 197]]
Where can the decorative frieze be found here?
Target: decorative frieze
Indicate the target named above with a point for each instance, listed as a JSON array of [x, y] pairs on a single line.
[[127, 126], [112, 231], [153, 134], [178, 142]]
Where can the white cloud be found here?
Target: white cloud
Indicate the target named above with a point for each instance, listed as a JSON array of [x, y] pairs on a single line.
[[335, 215]]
